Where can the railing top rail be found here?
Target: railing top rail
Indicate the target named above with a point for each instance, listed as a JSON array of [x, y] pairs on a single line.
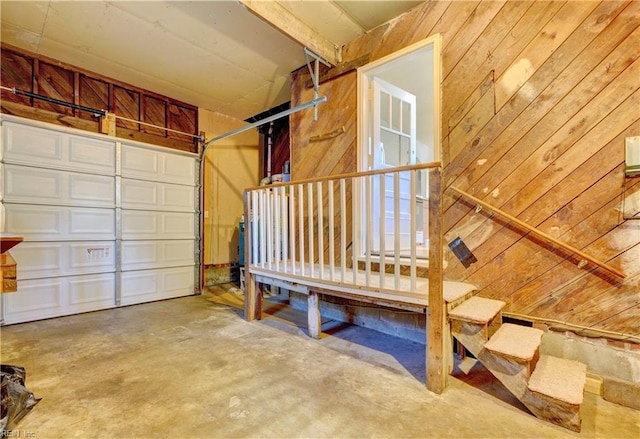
[[540, 234], [415, 167]]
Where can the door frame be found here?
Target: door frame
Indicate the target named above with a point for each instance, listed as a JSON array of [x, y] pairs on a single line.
[[364, 101], [363, 84]]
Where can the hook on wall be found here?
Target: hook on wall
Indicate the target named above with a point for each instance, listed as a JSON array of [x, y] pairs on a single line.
[[315, 74]]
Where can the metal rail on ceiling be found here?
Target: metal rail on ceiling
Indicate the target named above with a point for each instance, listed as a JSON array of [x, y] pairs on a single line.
[[267, 119]]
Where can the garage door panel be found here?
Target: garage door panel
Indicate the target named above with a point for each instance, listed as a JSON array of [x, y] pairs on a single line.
[[59, 223], [139, 194], [149, 195], [24, 184], [41, 147], [30, 144], [36, 299], [38, 259], [88, 293], [43, 298], [147, 285], [139, 255], [148, 164], [178, 169], [138, 224], [91, 222], [179, 198], [92, 190], [91, 155], [48, 259]]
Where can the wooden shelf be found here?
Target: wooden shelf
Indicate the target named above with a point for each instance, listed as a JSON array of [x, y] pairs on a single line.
[[8, 241]]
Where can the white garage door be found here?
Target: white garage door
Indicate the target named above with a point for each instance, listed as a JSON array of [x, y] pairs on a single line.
[[105, 223], [157, 228]]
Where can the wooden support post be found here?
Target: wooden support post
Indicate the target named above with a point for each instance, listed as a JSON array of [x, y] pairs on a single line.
[[252, 298], [108, 124], [286, 22], [436, 316], [253, 291], [313, 315]]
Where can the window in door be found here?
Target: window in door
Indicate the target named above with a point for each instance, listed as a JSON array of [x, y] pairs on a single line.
[[399, 124]]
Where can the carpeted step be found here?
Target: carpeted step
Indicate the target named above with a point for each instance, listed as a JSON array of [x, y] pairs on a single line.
[[515, 341], [477, 310], [559, 378], [453, 291]]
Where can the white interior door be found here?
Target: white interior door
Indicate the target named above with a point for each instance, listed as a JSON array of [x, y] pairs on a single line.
[[394, 144]]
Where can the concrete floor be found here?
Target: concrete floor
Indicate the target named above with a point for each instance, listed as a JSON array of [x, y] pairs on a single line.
[[193, 368]]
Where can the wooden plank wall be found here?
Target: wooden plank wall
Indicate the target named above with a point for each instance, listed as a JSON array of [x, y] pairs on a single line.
[[43, 76], [538, 98]]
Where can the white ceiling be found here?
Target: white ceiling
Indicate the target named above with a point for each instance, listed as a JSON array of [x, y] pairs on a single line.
[[213, 54]]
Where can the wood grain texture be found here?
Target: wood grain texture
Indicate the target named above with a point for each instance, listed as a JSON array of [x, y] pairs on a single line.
[[563, 81], [92, 93], [17, 71], [34, 73], [57, 83]]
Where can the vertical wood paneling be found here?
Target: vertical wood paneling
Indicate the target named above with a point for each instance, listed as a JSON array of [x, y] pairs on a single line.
[[330, 156], [537, 100]]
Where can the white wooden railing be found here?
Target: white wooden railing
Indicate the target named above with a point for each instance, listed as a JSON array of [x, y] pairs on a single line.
[[335, 232]]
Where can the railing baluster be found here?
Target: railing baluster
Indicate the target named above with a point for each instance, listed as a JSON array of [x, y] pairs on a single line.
[[292, 228], [255, 227], [263, 230], [396, 229], [269, 212], [332, 255], [320, 229], [310, 223], [301, 227], [277, 232], [414, 219], [343, 229], [369, 227], [382, 214], [355, 236]]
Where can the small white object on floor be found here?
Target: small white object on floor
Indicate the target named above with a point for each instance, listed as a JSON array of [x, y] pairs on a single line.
[[235, 290]]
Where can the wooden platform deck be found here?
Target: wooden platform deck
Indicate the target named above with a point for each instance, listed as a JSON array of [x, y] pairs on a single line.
[[388, 287]]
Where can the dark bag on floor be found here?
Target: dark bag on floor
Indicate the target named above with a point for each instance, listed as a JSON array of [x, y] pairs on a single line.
[[16, 399]]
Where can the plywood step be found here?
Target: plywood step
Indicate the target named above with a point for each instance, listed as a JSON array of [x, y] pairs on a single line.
[[559, 379], [477, 310], [515, 342]]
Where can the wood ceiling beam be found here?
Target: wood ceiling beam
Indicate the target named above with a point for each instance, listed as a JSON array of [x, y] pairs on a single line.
[[277, 15]]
